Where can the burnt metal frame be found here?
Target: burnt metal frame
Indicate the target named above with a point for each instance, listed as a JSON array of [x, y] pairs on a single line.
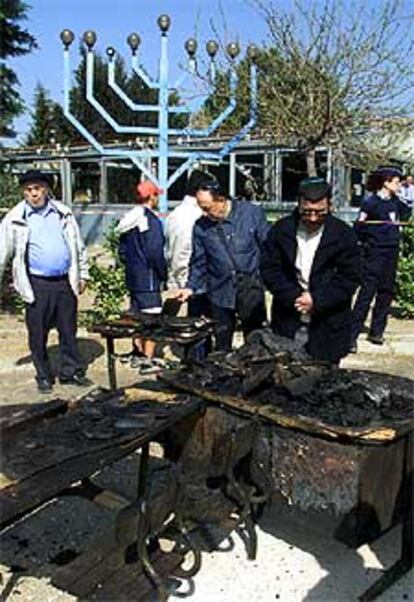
[[141, 505], [187, 345], [143, 532], [406, 560], [244, 496]]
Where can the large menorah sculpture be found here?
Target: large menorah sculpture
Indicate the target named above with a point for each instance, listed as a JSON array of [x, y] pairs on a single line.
[[142, 157]]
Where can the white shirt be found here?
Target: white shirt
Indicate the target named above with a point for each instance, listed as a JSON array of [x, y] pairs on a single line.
[[406, 194], [307, 245], [179, 235]]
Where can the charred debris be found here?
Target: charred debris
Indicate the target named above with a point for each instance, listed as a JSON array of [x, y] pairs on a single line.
[[273, 370]]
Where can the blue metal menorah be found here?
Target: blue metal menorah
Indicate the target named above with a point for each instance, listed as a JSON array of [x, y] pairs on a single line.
[[142, 157]]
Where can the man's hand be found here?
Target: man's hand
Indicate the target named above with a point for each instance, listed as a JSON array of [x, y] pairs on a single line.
[[183, 294], [304, 303], [82, 286]]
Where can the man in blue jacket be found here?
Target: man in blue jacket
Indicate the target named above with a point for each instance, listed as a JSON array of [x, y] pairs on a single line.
[[141, 249], [227, 241], [311, 265]]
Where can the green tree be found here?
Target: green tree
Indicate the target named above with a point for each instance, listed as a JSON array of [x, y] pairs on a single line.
[[132, 85], [42, 129], [10, 191], [49, 124], [14, 42], [333, 74]]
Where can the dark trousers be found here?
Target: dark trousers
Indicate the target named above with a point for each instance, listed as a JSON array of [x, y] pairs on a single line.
[[55, 305], [379, 273], [199, 306], [225, 326]]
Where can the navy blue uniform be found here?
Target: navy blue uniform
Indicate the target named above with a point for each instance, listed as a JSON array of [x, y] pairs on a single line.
[[380, 244]]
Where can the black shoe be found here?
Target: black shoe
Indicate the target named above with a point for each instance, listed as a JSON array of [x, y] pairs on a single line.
[[77, 379], [375, 339], [44, 385]]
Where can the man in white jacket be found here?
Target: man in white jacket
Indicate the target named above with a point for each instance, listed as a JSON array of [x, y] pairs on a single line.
[[179, 234], [49, 270]]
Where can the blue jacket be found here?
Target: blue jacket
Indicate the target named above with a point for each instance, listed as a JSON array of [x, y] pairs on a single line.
[[211, 269], [143, 256], [375, 208]]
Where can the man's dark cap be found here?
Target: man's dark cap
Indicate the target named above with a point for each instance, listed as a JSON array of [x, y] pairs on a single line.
[[211, 185], [314, 189], [196, 178], [34, 175], [389, 172]]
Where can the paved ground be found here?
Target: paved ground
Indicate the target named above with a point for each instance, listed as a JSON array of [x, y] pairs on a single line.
[[295, 562]]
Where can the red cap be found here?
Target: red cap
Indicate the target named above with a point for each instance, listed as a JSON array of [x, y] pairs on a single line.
[[147, 189]]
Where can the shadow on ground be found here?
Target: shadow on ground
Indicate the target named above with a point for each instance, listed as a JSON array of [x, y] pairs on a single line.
[[89, 348], [336, 559]]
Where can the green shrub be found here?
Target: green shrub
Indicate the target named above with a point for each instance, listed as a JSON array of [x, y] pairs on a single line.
[[405, 275], [10, 301], [10, 192], [107, 283]]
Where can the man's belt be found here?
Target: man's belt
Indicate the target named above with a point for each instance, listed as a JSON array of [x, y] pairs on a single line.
[[50, 278]]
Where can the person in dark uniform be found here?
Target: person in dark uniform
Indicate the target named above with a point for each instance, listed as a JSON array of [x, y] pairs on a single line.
[[310, 264], [378, 230]]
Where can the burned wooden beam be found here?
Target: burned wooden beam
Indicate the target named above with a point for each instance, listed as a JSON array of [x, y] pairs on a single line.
[[51, 454]]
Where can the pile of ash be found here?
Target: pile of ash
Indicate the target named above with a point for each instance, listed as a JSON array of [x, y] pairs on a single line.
[[349, 398], [274, 370]]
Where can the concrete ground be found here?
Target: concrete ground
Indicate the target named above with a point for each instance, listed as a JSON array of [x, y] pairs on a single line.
[[295, 562]]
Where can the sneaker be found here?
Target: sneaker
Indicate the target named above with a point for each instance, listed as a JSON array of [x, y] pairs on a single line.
[[159, 362], [375, 339], [137, 361], [147, 370]]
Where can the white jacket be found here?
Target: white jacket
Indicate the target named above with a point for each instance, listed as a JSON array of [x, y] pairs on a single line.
[[179, 235], [14, 238]]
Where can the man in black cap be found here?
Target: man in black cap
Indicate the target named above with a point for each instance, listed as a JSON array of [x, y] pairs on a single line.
[[49, 271], [310, 263]]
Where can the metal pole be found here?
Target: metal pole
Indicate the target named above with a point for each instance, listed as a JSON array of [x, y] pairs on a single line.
[[103, 182], [163, 123], [232, 175], [66, 178]]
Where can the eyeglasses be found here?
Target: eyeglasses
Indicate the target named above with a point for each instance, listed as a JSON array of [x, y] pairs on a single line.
[[317, 212]]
